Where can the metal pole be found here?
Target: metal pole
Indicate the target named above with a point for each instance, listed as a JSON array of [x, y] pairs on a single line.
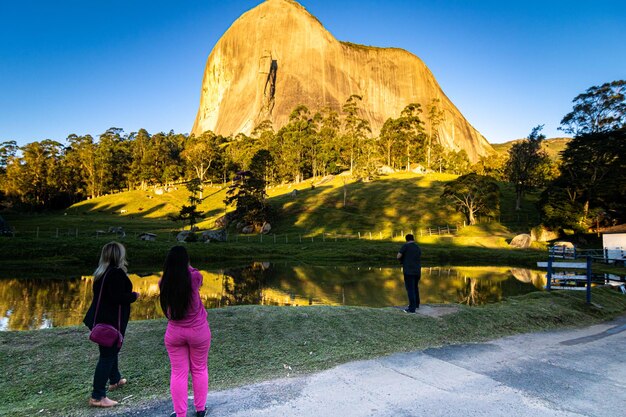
[[588, 279], [549, 286]]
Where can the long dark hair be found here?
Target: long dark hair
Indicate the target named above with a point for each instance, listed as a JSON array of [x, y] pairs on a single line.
[[175, 284]]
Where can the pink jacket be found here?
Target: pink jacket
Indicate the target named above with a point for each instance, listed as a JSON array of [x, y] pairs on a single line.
[[196, 313]]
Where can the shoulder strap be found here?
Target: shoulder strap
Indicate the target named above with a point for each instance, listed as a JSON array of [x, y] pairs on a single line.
[[99, 297]]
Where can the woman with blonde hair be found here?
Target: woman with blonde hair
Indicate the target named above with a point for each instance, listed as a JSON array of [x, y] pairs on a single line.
[[188, 336], [112, 296]]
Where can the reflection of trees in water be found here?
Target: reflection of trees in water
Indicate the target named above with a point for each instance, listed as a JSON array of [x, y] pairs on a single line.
[[30, 304], [35, 304], [472, 296], [245, 285]]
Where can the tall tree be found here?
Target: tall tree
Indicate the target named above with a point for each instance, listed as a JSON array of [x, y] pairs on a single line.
[[599, 109], [201, 152], [330, 145], [140, 166], [526, 164], [297, 138], [391, 136], [355, 128], [83, 151], [435, 117], [113, 158], [189, 212], [414, 137], [473, 195], [248, 195], [593, 178]]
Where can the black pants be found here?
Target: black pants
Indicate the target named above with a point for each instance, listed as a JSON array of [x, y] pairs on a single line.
[[411, 282], [106, 369]]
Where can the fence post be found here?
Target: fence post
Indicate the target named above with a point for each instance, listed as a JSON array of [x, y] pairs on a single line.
[[324, 237], [300, 237], [57, 232], [359, 235], [274, 237], [588, 279], [381, 235], [77, 233], [37, 232], [549, 286], [370, 235], [286, 240]]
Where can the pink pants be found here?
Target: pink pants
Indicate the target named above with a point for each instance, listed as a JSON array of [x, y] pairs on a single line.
[[188, 349]]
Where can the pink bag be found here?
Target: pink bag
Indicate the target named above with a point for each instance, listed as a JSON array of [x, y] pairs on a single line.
[[102, 333], [106, 335]]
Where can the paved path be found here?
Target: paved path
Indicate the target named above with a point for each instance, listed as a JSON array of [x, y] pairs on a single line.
[[578, 372]]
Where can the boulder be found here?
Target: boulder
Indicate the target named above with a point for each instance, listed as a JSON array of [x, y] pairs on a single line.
[[221, 222], [118, 230], [147, 236], [184, 235], [541, 234], [247, 229], [265, 229], [521, 241], [386, 169], [566, 245], [214, 236]]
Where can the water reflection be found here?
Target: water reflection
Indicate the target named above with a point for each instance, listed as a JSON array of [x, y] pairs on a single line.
[[35, 304]]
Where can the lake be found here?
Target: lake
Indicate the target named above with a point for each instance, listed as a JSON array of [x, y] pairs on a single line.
[[37, 304]]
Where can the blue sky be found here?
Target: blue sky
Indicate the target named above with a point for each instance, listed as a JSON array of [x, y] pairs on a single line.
[[81, 67]]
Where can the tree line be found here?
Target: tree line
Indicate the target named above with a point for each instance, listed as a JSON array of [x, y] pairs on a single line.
[[49, 175], [587, 186]]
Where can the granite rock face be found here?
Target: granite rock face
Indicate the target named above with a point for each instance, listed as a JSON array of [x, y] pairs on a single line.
[[277, 56]]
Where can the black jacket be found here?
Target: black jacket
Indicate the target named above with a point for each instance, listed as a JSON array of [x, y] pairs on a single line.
[[118, 291]]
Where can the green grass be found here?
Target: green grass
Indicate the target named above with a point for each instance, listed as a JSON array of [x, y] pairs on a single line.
[[402, 201], [51, 370]]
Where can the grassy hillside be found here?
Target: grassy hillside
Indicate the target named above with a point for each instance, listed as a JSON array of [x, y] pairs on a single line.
[[389, 206], [312, 226], [552, 146]]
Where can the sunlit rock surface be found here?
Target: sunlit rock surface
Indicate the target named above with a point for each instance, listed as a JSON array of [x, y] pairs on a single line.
[[277, 56]]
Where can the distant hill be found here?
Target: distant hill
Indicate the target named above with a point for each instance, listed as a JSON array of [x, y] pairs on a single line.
[[552, 146]]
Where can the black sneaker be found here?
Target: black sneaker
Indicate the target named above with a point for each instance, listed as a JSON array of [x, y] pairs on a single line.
[[173, 415], [200, 413], [406, 310]]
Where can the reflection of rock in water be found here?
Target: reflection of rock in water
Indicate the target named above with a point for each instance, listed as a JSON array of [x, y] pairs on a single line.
[[536, 278], [521, 274]]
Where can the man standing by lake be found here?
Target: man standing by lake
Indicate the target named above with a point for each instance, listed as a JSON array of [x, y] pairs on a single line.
[[410, 256]]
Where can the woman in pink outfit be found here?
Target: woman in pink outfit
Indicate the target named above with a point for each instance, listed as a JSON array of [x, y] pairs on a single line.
[[188, 336]]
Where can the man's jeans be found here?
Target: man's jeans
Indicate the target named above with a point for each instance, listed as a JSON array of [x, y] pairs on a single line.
[[411, 283]]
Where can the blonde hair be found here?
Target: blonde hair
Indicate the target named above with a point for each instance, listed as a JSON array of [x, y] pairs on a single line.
[[113, 255]]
